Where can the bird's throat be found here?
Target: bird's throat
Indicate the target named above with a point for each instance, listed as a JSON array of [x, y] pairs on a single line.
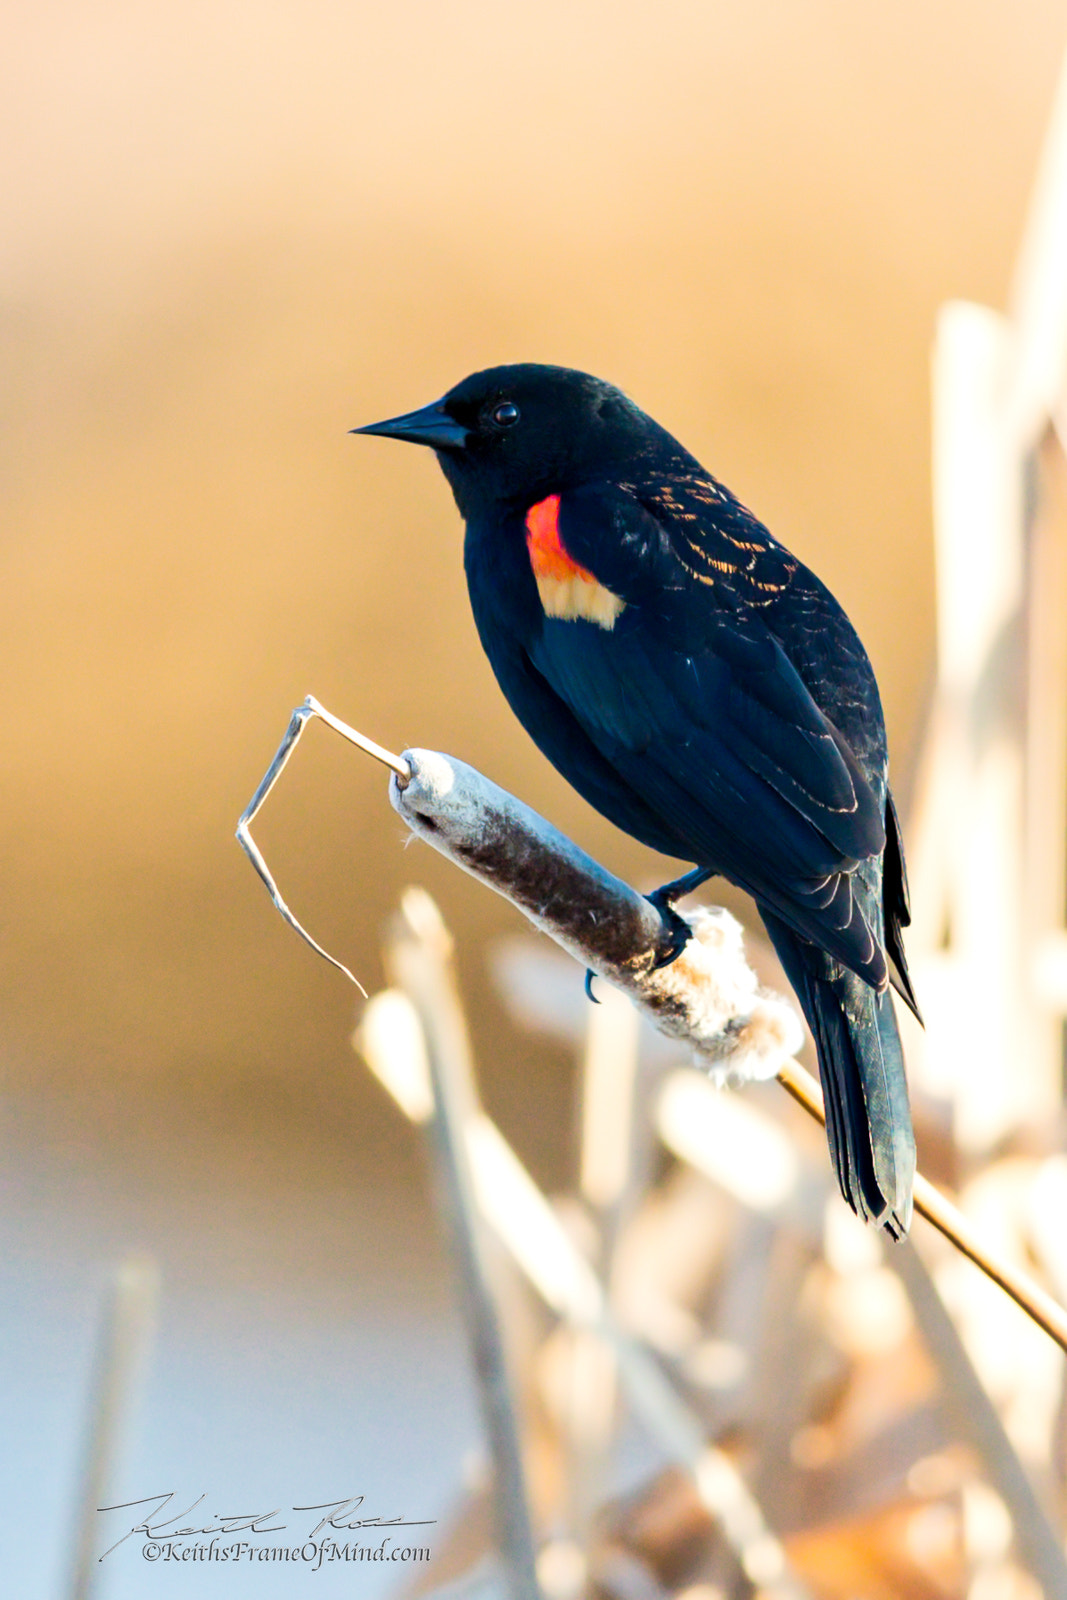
[[567, 590]]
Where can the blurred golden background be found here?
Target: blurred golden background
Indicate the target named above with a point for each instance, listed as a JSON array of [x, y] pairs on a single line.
[[235, 232]]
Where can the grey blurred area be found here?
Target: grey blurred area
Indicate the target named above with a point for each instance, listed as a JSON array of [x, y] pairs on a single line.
[[233, 234]]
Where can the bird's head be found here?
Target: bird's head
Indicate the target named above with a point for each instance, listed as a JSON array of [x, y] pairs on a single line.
[[513, 434]]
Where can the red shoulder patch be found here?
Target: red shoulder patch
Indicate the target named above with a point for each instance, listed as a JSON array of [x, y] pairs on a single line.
[[547, 555], [567, 591]]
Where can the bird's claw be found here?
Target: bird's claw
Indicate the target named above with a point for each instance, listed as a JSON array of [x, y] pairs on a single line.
[[674, 936], [589, 976], [676, 932]]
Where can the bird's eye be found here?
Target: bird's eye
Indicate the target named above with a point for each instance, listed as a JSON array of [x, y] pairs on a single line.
[[505, 415]]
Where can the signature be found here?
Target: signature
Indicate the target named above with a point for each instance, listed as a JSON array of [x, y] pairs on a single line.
[[342, 1508], [340, 1515]]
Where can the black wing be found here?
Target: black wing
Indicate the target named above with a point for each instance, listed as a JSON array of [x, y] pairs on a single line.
[[696, 708]]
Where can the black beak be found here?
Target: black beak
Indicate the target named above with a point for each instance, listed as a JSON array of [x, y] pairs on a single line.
[[432, 425]]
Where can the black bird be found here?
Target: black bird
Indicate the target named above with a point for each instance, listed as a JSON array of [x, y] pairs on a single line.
[[705, 692]]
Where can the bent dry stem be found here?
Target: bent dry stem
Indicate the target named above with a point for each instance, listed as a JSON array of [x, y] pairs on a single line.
[[297, 723]]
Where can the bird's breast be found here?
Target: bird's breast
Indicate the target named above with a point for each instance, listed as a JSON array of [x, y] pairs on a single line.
[[567, 590]]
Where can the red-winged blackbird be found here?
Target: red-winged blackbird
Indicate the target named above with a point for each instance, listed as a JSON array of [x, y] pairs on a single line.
[[705, 692]]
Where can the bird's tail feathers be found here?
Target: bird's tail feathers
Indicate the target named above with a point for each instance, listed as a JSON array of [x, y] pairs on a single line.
[[861, 1064]]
